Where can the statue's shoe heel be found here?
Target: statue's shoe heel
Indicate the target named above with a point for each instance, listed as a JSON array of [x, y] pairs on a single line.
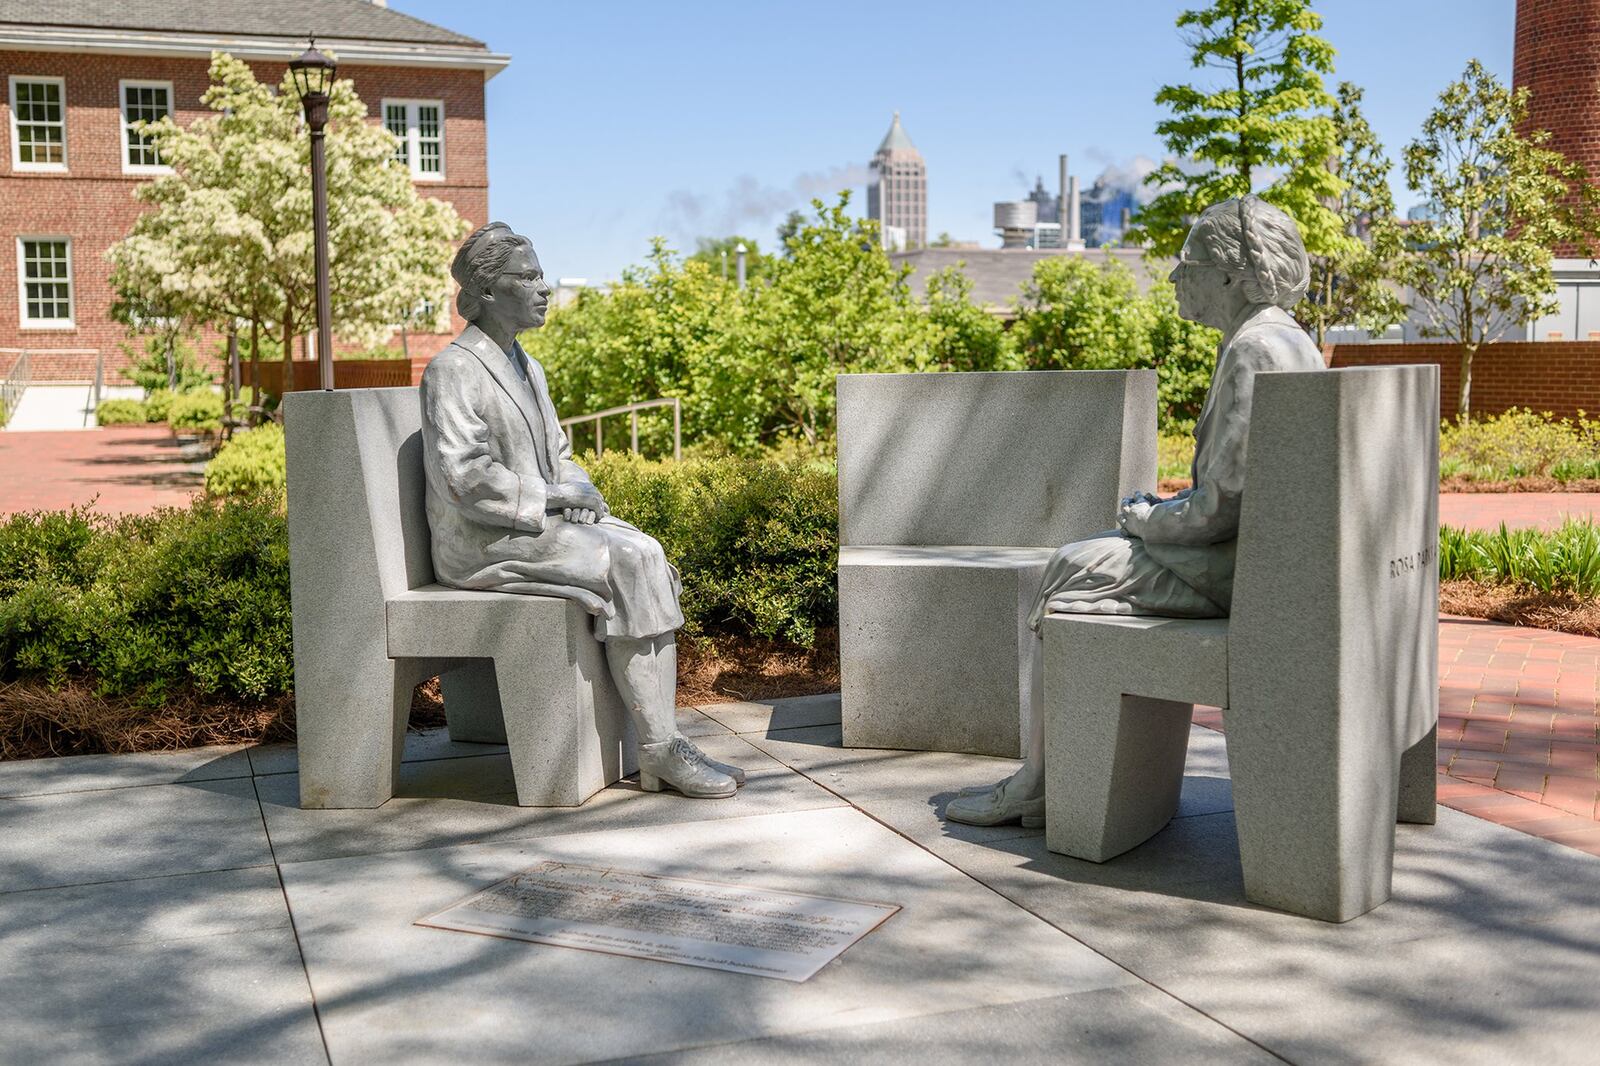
[[649, 782], [1033, 821]]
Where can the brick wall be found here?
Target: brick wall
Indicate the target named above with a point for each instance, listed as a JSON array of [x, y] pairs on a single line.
[[93, 201], [1557, 58], [1562, 377]]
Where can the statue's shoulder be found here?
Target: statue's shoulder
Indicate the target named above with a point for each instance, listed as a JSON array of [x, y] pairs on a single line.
[[1275, 341], [453, 361]]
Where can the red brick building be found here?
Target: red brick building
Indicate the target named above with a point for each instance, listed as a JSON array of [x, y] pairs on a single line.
[[79, 71]]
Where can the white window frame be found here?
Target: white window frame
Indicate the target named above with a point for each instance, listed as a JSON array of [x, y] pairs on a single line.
[[71, 321], [16, 141], [122, 133], [414, 136]]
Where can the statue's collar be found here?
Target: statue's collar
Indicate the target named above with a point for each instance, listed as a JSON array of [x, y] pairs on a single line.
[[1251, 315], [482, 345]]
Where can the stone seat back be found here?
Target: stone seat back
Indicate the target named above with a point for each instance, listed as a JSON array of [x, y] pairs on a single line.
[[954, 491]]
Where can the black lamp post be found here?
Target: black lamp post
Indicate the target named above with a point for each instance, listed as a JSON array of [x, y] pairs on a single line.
[[313, 76]]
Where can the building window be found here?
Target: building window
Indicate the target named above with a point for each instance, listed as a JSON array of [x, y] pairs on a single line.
[[143, 101], [419, 124], [38, 123], [44, 270]]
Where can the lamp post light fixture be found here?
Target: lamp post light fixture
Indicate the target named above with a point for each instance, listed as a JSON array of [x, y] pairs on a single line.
[[741, 250], [313, 77]]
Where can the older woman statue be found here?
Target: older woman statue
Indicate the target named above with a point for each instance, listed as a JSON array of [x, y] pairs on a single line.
[[510, 511], [1241, 268]]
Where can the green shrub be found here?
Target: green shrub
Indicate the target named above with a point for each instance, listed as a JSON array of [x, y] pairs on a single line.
[[195, 412], [143, 605], [1563, 560], [156, 404], [240, 410], [1520, 444], [1174, 456], [252, 462], [120, 413], [755, 540]]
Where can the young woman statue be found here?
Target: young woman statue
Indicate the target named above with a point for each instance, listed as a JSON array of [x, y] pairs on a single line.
[[1241, 268]]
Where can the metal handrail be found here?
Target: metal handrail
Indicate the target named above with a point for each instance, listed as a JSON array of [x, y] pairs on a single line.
[[633, 410], [13, 384]]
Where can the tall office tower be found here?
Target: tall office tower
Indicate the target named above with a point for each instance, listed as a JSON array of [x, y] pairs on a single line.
[[897, 195], [1557, 59]]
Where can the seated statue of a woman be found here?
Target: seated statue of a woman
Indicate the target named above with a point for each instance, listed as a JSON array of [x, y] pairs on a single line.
[[1241, 268], [510, 511]]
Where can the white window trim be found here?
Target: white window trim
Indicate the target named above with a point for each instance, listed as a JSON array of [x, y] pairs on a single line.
[[413, 137], [71, 321], [16, 142], [122, 132]]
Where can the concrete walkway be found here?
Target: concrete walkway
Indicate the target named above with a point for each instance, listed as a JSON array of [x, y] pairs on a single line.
[[125, 469], [58, 407], [182, 908]]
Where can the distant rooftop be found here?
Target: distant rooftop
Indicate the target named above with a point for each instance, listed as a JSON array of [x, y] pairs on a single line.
[[330, 19], [998, 274]]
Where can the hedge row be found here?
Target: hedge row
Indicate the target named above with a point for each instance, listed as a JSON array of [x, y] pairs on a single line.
[[198, 599]]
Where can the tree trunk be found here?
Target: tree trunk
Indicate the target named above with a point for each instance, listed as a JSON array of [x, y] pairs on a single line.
[[1464, 392], [288, 353], [255, 371]]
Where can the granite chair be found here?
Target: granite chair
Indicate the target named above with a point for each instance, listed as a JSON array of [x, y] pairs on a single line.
[[954, 492], [369, 624], [1327, 669]]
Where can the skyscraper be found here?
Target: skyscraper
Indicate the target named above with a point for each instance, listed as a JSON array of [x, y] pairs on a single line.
[[897, 195]]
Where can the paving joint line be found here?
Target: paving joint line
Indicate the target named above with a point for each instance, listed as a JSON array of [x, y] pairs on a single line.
[[294, 927], [1029, 910]]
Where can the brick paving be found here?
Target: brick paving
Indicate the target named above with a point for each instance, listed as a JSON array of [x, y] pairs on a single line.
[[1543, 510], [1519, 728], [123, 470]]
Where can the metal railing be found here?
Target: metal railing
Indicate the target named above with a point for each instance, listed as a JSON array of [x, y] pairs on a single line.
[[632, 410], [13, 384]]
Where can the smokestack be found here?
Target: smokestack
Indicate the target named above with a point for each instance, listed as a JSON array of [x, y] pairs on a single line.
[[1061, 203], [1074, 228]]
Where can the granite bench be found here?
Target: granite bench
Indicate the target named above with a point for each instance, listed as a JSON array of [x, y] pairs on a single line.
[[370, 624], [954, 492], [1327, 669]]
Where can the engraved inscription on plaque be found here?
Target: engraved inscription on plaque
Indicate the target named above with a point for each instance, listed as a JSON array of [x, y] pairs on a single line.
[[787, 935]]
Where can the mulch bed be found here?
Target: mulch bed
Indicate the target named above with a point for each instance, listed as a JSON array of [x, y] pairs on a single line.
[[39, 721], [1561, 612]]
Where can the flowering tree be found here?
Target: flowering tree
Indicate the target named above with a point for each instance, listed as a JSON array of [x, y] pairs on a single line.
[[230, 238]]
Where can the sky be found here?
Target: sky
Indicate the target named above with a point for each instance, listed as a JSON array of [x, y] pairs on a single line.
[[619, 120]]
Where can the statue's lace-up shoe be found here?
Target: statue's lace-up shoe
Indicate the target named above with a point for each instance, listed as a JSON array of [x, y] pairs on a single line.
[[997, 806], [678, 763]]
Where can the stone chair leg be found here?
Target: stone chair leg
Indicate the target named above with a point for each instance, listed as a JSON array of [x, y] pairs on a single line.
[[1113, 769], [472, 703], [1419, 781], [351, 731], [1315, 817]]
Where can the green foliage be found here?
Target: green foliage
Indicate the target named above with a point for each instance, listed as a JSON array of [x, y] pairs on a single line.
[[1174, 456], [1520, 444], [120, 413], [1350, 278], [157, 404], [710, 252], [964, 336], [1566, 560], [1483, 262], [1266, 112], [756, 540], [1078, 315], [753, 367], [196, 412], [250, 463], [166, 355], [143, 605]]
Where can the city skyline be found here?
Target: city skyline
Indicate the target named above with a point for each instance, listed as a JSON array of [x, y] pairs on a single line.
[[616, 123]]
